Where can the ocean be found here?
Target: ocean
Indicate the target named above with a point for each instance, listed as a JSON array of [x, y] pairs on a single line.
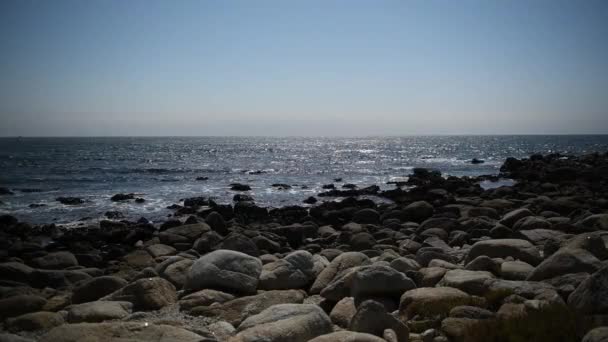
[[163, 170]]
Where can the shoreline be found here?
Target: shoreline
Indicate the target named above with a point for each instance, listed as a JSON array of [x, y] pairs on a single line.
[[445, 260]]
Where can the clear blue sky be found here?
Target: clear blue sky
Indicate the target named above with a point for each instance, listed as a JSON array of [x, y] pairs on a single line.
[[130, 67]]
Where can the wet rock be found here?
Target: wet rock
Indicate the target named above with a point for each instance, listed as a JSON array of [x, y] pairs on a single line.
[[98, 311], [285, 322], [122, 197], [418, 211], [216, 221], [69, 200], [146, 294], [565, 261], [239, 187], [224, 269], [367, 215], [119, 331], [310, 200], [5, 191]]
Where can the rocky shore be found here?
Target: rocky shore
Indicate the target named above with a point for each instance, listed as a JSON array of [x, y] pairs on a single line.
[[445, 260]]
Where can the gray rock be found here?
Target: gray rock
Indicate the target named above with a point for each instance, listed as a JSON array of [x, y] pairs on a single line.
[[146, 294], [119, 331], [96, 288], [177, 272], [513, 216], [471, 282], [418, 211], [367, 215], [204, 298], [19, 305], [591, 296], [343, 312], [565, 261], [292, 272], [347, 336], [484, 263], [379, 280], [372, 318], [502, 248], [98, 311], [515, 270], [236, 310], [158, 250], [597, 335], [337, 265], [405, 264], [473, 312], [285, 323], [41, 320], [225, 270], [15, 271], [430, 301], [55, 261], [216, 221], [531, 222]]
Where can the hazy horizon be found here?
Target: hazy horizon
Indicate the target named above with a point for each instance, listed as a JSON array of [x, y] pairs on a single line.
[[320, 68]]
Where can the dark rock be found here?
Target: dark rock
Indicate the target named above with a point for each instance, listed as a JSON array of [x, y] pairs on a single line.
[[239, 187], [96, 288], [122, 197], [202, 178], [5, 191], [591, 296], [310, 200], [69, 200], [19, 305], [240, 243], [146, 294], [367, 215], [372, 318]]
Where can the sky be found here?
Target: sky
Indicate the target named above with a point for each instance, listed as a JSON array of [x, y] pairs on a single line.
[[307, 68]]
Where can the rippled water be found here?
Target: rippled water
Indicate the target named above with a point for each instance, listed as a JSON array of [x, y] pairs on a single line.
[[163, 170]]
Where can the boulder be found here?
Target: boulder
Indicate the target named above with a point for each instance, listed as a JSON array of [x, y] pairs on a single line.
[[292, 272], [372, 318], [204, 298], [471, 282], [362, 241], [343, 312], [597, 335], [429, 301], [241, 243], [367, 215], [591, 296], [225, 270], [55, 261], [379, 280], [348, 336], [15, 271], [236, 310], [19, 305], [284, 323], [336, 266], [515, 270], [96, 288], [98, 311], [146, 294], [418, 211], [216, 221], [531, 222], [503, 248], [41, 320], [513, 216], [159, 250], [565, 261], [119, 331]]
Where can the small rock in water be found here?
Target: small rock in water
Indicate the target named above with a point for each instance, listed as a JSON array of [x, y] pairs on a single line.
[[122, 197], [37, 205], [477, 161], [310, 200], [202, 178], [242, 198], [139, 200], [114, 214], [239, 187], [349, 186], [5, 191], [328, 186], [281, 186], [69, 200]]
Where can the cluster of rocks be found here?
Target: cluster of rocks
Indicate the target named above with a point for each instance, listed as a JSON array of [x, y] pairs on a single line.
[[446, 261]]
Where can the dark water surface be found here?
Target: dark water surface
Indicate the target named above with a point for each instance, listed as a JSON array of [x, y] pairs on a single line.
[[163, 170]]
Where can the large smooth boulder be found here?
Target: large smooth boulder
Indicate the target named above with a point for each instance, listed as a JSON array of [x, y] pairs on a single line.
[[55, 261], [284, 323], [15, 271], [96, 288], [367, 215], [176, 271], [216, 221], [418, 211], [343, 312], [236, 310], [503, 248], [429, 301], [336, 266], [565, 261], [146, 294], [225, 270], [292, 272], [98, 311], [119, 331], [591, 296], [515, 270]]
